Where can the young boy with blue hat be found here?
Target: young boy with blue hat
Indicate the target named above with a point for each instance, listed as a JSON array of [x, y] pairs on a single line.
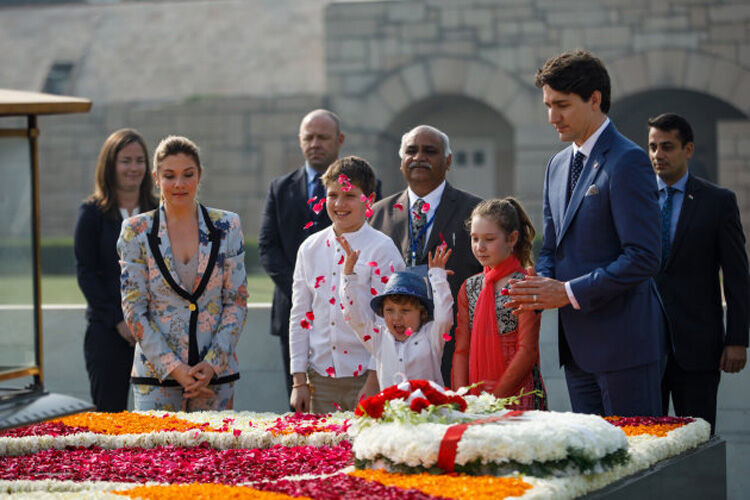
[[405, 327]]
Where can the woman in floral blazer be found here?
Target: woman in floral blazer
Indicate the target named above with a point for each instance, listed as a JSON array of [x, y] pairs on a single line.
[[184, 290]]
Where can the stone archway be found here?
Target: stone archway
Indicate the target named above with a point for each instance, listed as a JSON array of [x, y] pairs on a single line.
[[681, 69], [702, 110]]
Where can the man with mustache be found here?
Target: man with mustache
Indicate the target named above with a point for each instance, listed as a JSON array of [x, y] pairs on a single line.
[[701, 234], [429, 212]]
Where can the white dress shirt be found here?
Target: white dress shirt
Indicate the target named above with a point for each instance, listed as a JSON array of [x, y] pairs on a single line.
[[420, 355], [586, 148], [433, 198], [330, 342]]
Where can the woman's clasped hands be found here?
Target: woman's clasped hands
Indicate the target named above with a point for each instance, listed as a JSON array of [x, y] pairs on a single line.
[[194, 380]]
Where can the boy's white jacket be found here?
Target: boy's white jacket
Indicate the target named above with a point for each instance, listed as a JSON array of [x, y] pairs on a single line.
[[419, 356]]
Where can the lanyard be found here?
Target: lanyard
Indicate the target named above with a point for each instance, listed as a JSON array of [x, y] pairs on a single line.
[[414, 240]]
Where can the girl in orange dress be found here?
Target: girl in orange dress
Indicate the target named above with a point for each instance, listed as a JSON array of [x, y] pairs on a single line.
[[494, 346]]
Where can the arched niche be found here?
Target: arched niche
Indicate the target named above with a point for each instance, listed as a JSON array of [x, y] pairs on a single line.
[[630, 114], [482, 141]]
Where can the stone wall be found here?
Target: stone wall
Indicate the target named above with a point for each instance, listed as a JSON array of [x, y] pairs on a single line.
[[376, 63], [383, 57], [734, 165]]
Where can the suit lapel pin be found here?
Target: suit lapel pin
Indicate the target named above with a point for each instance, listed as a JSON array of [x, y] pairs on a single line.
[[690, 196], [596, 164]]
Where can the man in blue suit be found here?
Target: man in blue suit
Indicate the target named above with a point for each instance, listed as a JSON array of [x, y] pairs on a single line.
[[601, 247]]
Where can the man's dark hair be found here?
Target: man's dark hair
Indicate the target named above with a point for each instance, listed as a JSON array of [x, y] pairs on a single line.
[[356, 170], [577, 72], [667, 122]]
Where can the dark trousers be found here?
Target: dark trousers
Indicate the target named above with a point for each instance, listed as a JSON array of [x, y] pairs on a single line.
[[284, 340], [693, 392], [109, 359], [631, 392]]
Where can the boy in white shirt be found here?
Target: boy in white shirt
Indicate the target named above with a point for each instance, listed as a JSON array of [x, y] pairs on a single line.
[[407, 336], [328, 363]]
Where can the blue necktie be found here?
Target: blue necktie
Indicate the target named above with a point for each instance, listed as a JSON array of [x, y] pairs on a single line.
[[575, 173], [666, 225], [318, 190], [419, 221]]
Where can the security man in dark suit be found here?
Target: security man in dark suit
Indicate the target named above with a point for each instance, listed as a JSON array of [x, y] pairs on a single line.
[[294, 201], [701, 236], [429, 212]]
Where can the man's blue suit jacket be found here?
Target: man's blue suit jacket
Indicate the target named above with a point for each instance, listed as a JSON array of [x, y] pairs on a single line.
[[607, 243]]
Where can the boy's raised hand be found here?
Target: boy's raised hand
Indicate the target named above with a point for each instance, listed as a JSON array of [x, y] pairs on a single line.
[[351, 255], [442, 253]]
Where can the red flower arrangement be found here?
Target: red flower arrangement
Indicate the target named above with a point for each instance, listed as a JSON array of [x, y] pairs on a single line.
[[420, 394]]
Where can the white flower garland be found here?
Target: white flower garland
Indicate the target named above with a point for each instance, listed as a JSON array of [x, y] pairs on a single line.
[[536, 437]]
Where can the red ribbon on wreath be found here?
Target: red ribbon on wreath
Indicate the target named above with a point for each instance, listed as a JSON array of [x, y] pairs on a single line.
[[449, 444]]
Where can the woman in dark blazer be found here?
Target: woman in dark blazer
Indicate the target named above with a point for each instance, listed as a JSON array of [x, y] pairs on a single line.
[[122, 189]]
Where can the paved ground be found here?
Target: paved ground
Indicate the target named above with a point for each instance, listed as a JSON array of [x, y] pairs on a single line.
[[261, 386]]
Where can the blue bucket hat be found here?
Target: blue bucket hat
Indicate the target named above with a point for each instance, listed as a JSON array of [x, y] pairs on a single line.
[[406, 283]]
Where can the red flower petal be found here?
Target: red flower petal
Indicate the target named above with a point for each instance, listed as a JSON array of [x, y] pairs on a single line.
[[308, 225], [305, 324], [318, 207], [408, 332], [309, 315], [384, 279], [418, 404], [366, 338], [372, 263], [312, 199], [393, 269], [341, 260], [332, 301], [236, 432], [373, 291], [376, 330], [368, 212], [363, 198], [447, 337], [377, 271], [425, 208], [399, 206], [331, 371]]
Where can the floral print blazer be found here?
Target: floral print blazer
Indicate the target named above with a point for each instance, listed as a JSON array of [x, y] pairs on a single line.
[[159, 317]]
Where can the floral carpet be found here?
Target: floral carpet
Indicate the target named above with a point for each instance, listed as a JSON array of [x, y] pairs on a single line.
[[228, 455]]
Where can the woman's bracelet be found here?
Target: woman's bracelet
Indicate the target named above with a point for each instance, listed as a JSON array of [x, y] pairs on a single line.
[[294, 386]]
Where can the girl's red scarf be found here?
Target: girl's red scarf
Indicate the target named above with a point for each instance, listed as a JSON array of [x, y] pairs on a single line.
[[486, 361]]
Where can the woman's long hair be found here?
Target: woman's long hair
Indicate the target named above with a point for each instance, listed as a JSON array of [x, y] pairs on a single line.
[[105, 185]]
